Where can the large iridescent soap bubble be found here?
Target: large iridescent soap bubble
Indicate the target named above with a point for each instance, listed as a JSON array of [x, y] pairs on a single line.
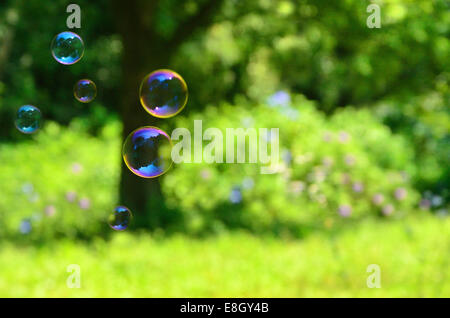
[[163, 93], [67, 48], [85, 90], [28, 119], [147, 152], [120, 218]]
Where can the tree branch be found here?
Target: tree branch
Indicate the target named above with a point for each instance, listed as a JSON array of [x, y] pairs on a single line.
[[130, 17], [203, 18]]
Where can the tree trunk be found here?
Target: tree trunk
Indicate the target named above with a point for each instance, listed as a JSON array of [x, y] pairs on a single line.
[[142, 54]]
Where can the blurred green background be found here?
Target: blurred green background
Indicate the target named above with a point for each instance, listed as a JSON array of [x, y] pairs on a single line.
[[364, 140]]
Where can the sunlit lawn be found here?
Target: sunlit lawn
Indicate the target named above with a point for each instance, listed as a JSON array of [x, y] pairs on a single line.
[[413, 256]]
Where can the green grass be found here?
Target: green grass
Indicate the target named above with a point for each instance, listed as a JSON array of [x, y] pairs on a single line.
[[413, 256]]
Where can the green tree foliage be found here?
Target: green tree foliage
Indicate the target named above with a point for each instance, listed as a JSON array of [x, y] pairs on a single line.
[[30, 75]]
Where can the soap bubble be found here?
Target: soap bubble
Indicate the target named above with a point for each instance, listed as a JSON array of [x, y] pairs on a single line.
[[120, 218], [67, 48], [163, 93], [147, 152], [28, 119], [85, 90]]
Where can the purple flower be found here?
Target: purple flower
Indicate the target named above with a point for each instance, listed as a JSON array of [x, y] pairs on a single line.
[[349, 160], [387, 209], [71, 196], [327, 136], [345, 210], [84, 203], [235, 196], [297, 187], [205, 174], [377, 199], [425, 204], [50, 210], [77, 168], [358, 187], [25, 226], [343, 137], [319, 175], [400, 193], [280, 98]]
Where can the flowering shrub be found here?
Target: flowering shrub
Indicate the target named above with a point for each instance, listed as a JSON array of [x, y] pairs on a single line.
[[61, 182], [331, 171]]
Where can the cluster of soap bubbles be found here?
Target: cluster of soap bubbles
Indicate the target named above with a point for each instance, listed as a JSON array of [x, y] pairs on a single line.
[[68, 48], [147, 150]]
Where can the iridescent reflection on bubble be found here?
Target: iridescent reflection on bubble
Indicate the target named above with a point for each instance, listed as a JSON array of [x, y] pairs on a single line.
[[85, 90], [28, 119], [147, 152], [163, 93], [120, 218], [67, 48]]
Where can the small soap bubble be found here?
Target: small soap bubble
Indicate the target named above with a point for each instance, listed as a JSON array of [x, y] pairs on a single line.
[[120, 218], [163, 93], [85, 90], [147, 152], [67, 48], [28, 119]]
